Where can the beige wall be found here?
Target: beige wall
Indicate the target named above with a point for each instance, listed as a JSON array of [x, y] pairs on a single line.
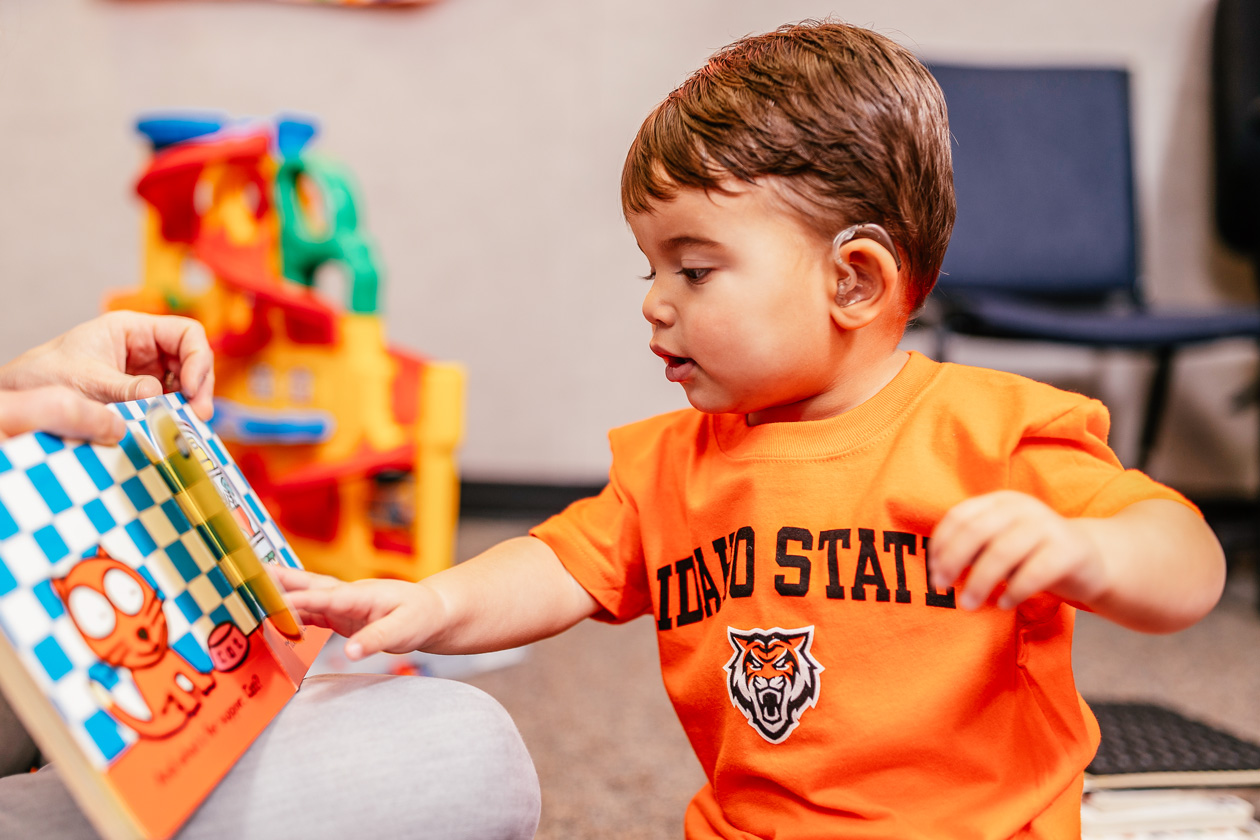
[[488, 136]]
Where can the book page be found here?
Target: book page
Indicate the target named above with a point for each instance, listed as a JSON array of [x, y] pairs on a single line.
[[152, 662]]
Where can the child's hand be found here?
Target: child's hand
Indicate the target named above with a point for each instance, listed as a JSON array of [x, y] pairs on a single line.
[[122, 356], [374, 615], [1011, 538]]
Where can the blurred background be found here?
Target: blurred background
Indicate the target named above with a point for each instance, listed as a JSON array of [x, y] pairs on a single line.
[[487, 138]]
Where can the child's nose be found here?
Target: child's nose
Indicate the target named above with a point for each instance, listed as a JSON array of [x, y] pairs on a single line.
[[655, 308]]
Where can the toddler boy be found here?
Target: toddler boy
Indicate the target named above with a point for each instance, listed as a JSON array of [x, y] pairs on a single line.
[[862, 564]]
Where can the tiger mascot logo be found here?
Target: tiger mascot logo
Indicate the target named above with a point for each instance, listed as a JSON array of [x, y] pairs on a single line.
[[772, 678]]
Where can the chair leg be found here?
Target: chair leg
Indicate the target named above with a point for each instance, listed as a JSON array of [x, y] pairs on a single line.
[[1156, 399], [1255, 521]]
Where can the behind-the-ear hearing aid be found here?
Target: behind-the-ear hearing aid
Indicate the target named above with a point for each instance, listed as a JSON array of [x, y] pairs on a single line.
[[851, 289]]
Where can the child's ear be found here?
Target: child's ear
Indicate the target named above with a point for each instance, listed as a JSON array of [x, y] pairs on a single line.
[[866, 282]]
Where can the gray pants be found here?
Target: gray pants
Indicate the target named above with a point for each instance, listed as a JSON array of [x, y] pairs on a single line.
[[350, 756]]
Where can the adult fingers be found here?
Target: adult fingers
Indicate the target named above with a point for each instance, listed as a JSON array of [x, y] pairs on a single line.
[[185, 340], [169, 347], [60, 411], [103, 383]]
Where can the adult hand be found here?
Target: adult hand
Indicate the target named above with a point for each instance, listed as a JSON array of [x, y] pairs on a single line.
[[115, 357], [61, 411]]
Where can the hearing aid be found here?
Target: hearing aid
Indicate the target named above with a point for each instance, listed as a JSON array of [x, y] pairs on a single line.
[[850, 289]]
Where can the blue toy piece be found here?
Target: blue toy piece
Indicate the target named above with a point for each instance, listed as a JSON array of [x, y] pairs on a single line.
[[168, 129], [292, 135]]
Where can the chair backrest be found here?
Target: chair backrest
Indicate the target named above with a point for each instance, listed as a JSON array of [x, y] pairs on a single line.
[[1236, 122], [1044, 176]]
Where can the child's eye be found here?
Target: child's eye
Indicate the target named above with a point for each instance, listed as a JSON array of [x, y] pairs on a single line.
[[694, 275], [649, 276]]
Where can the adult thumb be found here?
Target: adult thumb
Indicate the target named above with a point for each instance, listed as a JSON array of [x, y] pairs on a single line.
[[106, 384]]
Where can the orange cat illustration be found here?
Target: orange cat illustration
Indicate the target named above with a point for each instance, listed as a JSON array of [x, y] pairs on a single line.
[[121, 619]]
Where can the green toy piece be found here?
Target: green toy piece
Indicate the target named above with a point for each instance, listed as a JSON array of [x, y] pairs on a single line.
[[319, 223]]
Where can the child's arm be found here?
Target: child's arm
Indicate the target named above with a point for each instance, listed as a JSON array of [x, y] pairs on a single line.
[[516, 592], [1155, 566]]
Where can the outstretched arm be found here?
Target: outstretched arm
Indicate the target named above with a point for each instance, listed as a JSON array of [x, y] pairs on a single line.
[[517, 592], [1155, 566]]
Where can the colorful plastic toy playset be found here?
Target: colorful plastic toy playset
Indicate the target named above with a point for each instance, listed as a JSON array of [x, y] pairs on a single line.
[[349, 442]]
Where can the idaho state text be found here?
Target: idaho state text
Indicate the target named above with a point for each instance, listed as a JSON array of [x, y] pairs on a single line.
[[688, 590]]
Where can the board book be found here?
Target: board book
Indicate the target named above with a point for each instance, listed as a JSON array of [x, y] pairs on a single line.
[[142, 642]]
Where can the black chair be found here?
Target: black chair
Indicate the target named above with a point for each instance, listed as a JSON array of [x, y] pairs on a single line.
[[1236, 123], [1045, 245]]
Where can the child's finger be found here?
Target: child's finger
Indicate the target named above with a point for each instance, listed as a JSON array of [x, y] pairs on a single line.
[[313, 619], [1002, 557], [962, 535], [295, 580], [383, 634], [347, 605], [314, 600], [291, 579], [1043, 569]]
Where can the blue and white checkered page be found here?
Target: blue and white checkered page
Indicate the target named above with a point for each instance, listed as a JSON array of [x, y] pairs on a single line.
[[133, 412], [59, 500]]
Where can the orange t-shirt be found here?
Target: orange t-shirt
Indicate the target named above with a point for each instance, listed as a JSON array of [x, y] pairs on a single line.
[[827, 689]]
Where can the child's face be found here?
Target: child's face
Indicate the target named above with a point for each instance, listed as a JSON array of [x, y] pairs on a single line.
[[740, 303]]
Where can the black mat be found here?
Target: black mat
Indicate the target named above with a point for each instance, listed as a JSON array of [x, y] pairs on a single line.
[[1146, 745]]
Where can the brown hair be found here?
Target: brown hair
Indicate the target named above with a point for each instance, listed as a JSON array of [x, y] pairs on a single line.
[[850, 124]]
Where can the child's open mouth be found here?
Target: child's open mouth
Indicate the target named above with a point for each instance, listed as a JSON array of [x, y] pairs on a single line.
[[678, 368]]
